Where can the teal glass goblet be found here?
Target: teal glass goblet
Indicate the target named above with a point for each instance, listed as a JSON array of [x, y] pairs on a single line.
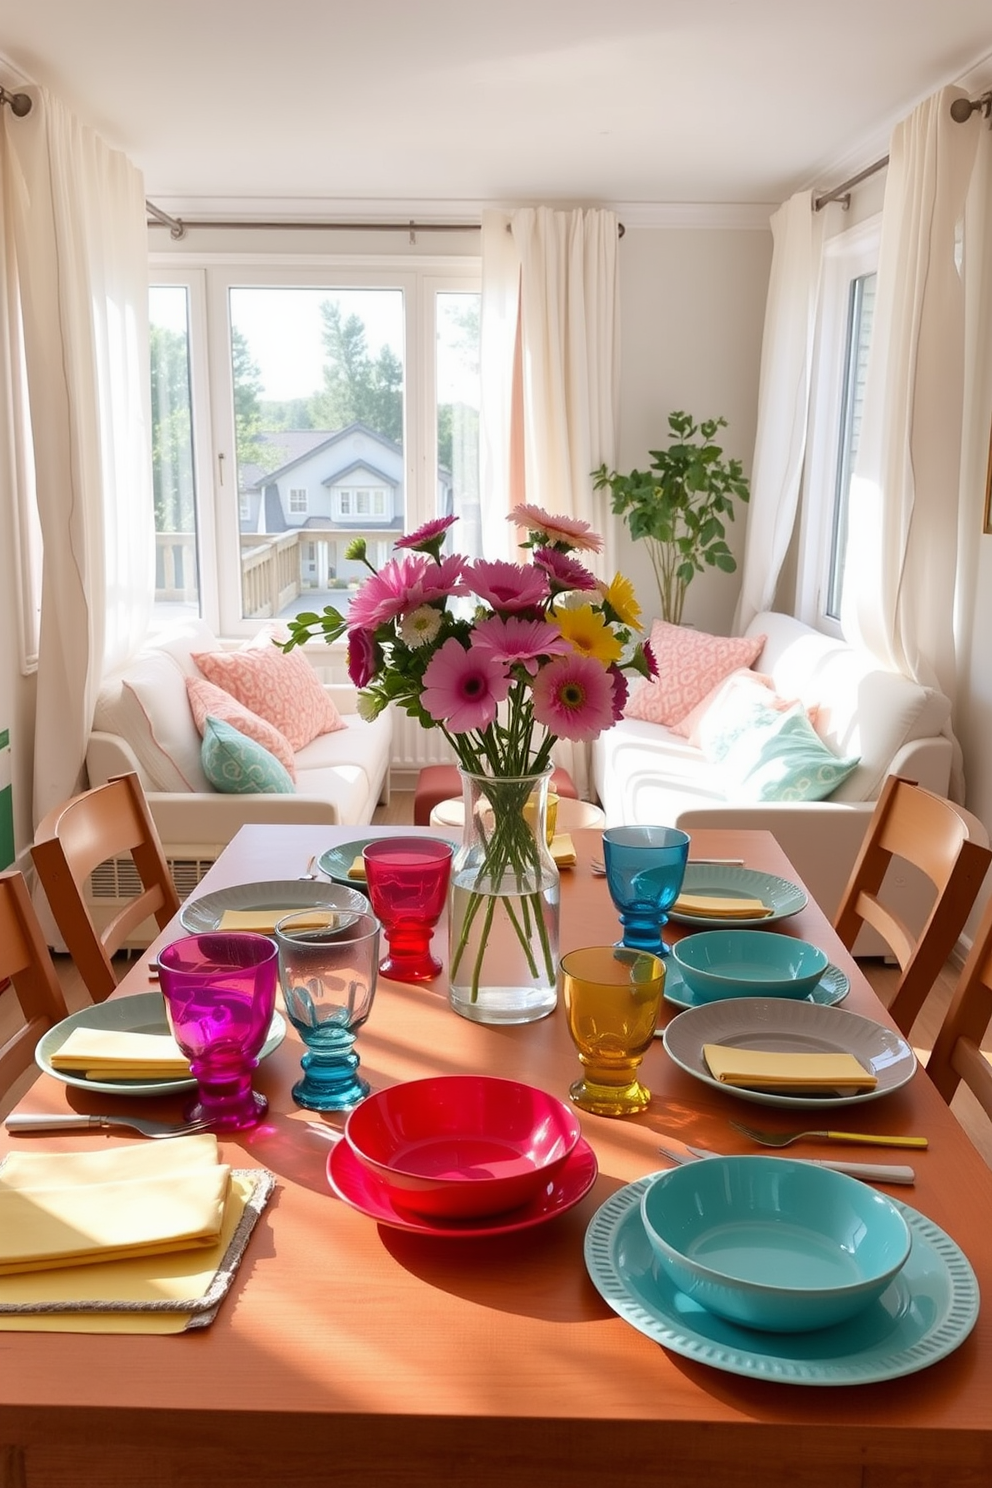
[[328, 966], [645, 867]]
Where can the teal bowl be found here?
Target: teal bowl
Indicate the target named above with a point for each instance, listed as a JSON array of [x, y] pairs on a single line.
[[748, 963], [774, 1243]]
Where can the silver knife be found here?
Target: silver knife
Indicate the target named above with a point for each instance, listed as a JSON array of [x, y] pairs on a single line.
[[869, 1172]]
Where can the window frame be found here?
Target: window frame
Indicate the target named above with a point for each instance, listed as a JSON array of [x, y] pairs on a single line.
[[847, 256], [209, 277]]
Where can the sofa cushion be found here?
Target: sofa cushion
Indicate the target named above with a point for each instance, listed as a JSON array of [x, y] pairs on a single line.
[[777, 756], [741, 692], [280, 686], [238, 765], [207, 700], [690, 664], [147, 705]]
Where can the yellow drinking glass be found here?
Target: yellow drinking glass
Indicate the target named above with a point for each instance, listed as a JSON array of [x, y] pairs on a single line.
[[612, 1002]]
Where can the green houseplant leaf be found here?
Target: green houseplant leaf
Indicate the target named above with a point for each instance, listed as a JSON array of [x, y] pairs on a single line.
[[678, 506]]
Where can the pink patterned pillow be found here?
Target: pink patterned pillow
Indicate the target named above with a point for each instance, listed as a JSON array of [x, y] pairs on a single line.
[[280, 686], [690, 664], [205, 698]]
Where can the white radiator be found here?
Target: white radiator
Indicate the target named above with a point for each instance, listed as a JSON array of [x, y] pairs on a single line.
[[413, 748]]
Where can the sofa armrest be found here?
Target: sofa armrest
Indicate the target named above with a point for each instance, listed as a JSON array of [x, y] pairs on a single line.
[[820, 838]]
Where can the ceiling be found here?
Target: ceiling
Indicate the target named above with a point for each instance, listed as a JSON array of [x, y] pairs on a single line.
[[234, 104]]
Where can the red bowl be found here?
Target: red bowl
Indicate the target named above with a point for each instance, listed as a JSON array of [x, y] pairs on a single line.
[[458, 1146]]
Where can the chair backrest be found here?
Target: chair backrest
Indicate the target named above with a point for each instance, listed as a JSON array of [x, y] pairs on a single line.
[[949, 846], [109, 821], [957, 1053], [27, 977]]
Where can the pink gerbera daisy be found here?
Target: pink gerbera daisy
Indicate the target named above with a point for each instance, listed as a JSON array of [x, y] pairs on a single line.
[[363, 657], [513, 639], [621, 691], [507, 586], [563, 571], [402, 584], [573, 697], [462, 689], [425, 539], [570, 531]]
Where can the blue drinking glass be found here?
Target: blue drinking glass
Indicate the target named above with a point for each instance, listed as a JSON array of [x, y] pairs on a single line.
[[644, 871]]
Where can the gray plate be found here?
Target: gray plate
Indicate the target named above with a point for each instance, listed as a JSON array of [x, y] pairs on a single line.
[[783, 897], [200, 916], [143, 1013], [779, 1025], [336, 861]]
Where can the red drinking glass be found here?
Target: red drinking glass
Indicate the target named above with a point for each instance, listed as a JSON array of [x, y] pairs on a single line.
[[407, 880], [220, 991]]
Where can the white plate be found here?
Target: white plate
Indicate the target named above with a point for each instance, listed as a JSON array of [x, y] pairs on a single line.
[[832, 988], [778, 1025], [143, 1013], [200, 916], [784, 898], [926, 1313]]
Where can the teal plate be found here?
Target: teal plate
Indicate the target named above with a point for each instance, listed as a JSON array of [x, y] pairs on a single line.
[[925, 1314], [336, 861], [729, 882], [832, 988]]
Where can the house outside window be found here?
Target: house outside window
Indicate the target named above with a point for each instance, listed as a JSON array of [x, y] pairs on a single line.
[[299, 373]]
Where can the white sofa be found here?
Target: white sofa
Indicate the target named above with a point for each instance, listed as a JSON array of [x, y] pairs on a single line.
[[143, 722], [645, 773]]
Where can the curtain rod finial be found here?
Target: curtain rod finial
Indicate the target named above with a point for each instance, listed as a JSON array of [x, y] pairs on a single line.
[[20, 103]]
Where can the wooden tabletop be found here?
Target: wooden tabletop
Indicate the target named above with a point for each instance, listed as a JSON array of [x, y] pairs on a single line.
[[353, 1353]]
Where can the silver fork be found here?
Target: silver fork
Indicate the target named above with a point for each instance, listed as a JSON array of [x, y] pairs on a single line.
[[19, 1121]]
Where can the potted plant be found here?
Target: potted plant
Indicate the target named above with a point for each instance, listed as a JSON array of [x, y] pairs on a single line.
[[678, 506]]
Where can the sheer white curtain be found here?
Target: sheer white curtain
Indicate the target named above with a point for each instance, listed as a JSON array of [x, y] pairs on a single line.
[[81, 268], [551, 364], [550, 377], [783, 401], [904, 534]]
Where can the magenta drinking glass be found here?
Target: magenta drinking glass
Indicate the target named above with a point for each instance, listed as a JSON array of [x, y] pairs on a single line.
[[220, 992], [407, 881]]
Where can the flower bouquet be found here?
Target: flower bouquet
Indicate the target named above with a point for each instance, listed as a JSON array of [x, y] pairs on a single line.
[[505, 659]]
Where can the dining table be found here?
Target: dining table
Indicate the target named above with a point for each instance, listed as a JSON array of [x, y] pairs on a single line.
[[355, 1351]]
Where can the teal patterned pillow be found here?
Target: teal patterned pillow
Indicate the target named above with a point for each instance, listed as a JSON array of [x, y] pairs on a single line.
[[238, 766], [781, 758]]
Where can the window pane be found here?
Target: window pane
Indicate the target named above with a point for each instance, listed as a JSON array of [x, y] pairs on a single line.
[[458, 418], [319, 412], [177, 590], [860, 317]]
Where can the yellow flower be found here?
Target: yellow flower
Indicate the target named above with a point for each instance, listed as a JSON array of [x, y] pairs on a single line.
[[588, 633], [622, 600]]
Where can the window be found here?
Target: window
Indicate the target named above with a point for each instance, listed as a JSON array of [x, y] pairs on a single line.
[[343, 393], [847, 306], [173, 483]]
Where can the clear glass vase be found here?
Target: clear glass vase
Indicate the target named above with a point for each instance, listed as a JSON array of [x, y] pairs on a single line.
[[504, 903]]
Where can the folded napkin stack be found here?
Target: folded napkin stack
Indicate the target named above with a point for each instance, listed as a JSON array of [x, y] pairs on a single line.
[[717, 907], [264, 921], [111, 1054], [121, 1239], [755, 1069]]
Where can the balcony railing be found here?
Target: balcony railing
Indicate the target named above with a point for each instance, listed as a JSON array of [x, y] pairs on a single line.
[[272, 574]]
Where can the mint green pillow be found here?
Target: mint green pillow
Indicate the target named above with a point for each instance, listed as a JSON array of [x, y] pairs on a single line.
[[782, 758], [238, 766]]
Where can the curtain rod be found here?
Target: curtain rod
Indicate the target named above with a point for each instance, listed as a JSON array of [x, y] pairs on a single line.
[[178, 228], [961, 111]]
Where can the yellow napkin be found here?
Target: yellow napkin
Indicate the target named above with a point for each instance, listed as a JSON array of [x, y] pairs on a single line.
[[71, 1215], [123, 1296], [264, 921], [357, 869], [105, 1053], [760, 1070], [563, 850], [715, 907]]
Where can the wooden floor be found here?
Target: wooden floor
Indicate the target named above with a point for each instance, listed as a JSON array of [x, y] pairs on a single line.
[[399, 811]]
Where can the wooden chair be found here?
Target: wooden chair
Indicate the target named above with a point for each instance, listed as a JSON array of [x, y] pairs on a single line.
[[31, 1000], [949, 846], [957, 1053], [107, 822]]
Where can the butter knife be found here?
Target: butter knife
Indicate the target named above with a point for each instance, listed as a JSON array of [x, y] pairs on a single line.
[[868, 1172]]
